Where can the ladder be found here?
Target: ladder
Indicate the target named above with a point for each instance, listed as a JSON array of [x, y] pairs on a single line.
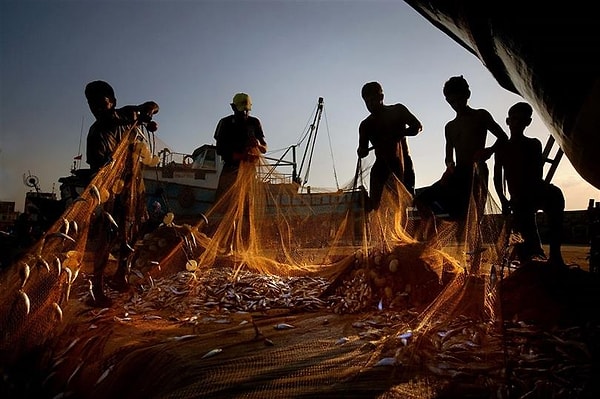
[[552, 161]]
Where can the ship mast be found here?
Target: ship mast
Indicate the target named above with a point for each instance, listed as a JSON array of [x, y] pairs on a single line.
[[310, 145]]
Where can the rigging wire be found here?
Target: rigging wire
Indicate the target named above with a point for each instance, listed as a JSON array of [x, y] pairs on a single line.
[[305, 132], [307, 128], [309, 133], [337, 184], [77, 162]]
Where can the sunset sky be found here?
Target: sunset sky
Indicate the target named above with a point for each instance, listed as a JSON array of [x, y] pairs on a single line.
[[192, 56]]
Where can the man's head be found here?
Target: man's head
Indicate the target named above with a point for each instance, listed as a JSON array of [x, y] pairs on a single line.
[[521, 109], [241, 103], [372, 94], [519, 117], [100, 97], [456, 91]]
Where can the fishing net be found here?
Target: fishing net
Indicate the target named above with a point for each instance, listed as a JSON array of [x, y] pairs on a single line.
[[274, 292]]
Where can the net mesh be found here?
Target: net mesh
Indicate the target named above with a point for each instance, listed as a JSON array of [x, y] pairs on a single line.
[[271, 293]]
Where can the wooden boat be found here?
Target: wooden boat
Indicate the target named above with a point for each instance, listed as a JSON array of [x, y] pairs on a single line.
[[547, 53]]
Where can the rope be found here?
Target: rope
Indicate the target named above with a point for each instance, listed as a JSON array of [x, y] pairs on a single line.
[[337, 185]]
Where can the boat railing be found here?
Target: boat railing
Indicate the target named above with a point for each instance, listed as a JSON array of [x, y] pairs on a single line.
[[273, 170], [173, 159], [168, 157]]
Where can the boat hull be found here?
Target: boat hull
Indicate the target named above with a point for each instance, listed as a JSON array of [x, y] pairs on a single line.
[[184, 201], [549, 55]]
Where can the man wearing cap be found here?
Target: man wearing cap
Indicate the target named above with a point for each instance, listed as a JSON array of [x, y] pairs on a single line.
[[239, 139]]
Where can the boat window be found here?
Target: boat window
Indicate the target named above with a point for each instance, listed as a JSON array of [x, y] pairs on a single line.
[[210, 159], [205, 159]]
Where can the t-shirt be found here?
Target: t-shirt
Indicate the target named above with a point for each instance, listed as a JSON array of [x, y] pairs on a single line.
[[105, 135], [233, 134]]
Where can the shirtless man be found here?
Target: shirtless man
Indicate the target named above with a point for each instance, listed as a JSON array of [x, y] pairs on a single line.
[[520, 162], [466, 137], [386, 129]]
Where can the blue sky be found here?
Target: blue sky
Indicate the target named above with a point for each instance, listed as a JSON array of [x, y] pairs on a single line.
[[192, 56]]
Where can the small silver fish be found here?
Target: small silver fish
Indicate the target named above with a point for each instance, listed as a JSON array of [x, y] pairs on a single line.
[[74, 227], [57, 310], [44, 263], [74, 275], [91, 290], [69, 282], [96, 193], [151, 317], [62, 235], [104, 375], [283, 326], [75, 372], [387, 361], [111, 219], [58, 264], [182, 337], [204, 218], [25, 272], [68, 272], [48, 378], [406, 335], [65, 226], [71, 346], [212, 353], [26, 301]]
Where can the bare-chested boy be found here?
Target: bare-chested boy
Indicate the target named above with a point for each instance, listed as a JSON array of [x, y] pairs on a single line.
[[466, 137], [520, 162], [386, 129]]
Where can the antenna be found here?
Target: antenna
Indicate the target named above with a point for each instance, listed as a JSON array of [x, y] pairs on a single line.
[[32, 181]]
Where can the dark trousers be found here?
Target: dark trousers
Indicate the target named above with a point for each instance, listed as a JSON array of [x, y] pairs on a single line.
[[549, 199]]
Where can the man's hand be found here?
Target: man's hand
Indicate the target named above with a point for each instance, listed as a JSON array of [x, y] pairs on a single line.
[[252, 153], [147, 110], [255, 146], [362, 152], [152, 126], [447, 175]]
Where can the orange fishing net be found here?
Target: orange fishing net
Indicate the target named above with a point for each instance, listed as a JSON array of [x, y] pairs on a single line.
[[271, 293]]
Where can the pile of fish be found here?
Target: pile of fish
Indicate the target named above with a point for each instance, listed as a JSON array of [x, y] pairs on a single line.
[[510, 359]]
